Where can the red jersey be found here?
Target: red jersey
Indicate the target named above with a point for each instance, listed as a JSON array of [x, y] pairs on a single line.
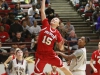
[[55, 73], [6, 27], [47, 38], [4, 36], [96, 58]]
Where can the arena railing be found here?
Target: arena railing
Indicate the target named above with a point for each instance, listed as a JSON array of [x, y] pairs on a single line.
[[8, 45]]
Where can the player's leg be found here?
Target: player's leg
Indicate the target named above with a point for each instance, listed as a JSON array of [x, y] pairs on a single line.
[[39, 66], [56, 61], [65, 70], [79, 72]]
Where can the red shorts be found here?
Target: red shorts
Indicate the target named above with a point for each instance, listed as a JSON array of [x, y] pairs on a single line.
[[98, 73], [42, 60]]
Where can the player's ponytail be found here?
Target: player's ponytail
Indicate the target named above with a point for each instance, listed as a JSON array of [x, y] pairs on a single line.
[[87, 40]]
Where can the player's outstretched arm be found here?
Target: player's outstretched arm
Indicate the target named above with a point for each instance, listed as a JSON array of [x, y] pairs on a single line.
[[43, 15], [67, 57]]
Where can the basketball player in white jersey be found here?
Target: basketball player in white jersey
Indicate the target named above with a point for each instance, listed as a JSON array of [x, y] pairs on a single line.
[[78, 58], [18, 66]]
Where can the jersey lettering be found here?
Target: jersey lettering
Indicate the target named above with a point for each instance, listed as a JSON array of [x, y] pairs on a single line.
[[47, 40], [20, 70]]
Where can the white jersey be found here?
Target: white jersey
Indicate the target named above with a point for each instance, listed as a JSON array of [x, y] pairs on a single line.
[[79, 63], [18, 68]]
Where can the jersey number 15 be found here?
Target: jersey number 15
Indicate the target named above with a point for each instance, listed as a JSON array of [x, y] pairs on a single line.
[[47, 40]]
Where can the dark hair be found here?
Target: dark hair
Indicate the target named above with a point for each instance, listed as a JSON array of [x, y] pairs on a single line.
[[87, 39], [18, 32]]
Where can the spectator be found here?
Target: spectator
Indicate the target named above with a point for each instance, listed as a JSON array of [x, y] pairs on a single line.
[[28, 19], [98, 22], [25, 27], [18, 38], [73, 37], [95, 57], [68, 27], [61, 29], [33, 10], [18, 10], [6, 26], [89, 8], [49, 12], [35, 29], [82, 3], [2, 56], [3, 5], [15, 27], [23, 47], [54, 71], [10, 19], [34, 43], [4, 36], [38, 5], [28, 58], [95, 15]]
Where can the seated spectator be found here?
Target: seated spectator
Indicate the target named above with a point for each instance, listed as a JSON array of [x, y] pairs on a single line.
[[2, 56], [6, 26], [34, 43], [35, 17], [61, 29], [18, 10], [82, 3], [25, 27], [98, 23], [15, 27], [50, 13], [18, 38], [4, 36], [38, 5], [35, 29], [54, 71], [89, 8], [29, 19], [95, 15], [33, 10], [3, 5], [72, 37], [68, 27], [28, 58], [10, 19]]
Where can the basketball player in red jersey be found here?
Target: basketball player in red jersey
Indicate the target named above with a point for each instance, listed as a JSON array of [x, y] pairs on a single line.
[[47, 37], [54, 71], [96, 57]]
